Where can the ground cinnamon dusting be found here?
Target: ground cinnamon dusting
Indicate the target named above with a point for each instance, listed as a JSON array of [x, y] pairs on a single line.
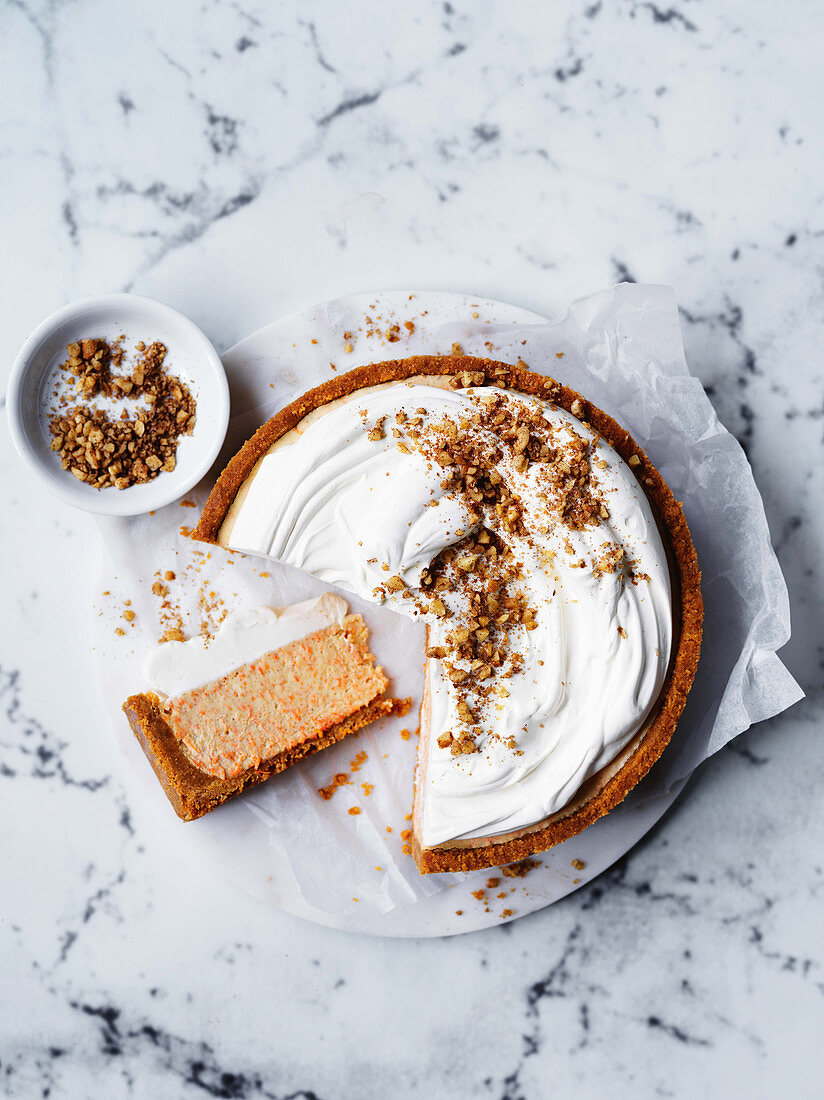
[[130, 450]]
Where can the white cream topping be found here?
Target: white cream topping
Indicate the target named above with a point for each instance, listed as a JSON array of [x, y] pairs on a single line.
[[243, 636], [338, 505]]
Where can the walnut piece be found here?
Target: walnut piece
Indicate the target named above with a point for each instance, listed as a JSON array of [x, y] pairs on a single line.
[[105, 452]]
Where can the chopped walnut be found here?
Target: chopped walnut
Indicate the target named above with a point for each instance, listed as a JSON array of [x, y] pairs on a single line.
[[103, 452]]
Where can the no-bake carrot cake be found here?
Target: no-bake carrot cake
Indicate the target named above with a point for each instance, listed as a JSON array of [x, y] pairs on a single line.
[[542, 549], [268, 689]]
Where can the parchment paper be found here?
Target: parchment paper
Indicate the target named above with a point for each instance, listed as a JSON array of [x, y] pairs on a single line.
[[622, 349]]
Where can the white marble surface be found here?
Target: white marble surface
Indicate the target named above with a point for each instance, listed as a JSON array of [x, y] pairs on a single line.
[[243, 160]]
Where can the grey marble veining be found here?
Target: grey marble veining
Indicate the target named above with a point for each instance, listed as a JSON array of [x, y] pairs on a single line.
[[240, 160]]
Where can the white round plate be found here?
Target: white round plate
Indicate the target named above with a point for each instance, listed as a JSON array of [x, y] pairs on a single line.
[[190, 357], [280, 842]]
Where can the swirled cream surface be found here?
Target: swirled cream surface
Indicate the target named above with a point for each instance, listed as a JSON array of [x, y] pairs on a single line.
[[561, 585]]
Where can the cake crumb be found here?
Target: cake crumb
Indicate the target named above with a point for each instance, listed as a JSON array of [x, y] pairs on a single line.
[[491, 883], [520, 869], [459, 912], [358, 761], [338, 780], [506, 913], [578, 864], [354, 810], [367, 788], [119, 631]]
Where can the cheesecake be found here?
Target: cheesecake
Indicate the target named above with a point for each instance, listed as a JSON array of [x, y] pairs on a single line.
[[272, 686], [550, 563]]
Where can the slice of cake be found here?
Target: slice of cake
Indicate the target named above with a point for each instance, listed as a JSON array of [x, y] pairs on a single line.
[[268, 689], [549, 560]]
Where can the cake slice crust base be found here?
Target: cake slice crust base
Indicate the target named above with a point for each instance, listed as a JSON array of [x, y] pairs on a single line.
[[191, 792]]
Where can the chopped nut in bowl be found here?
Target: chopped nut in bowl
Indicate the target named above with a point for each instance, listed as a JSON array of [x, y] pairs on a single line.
[[119, 403]]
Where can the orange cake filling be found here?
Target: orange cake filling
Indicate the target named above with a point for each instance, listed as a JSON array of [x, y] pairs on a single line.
[[272, 704]]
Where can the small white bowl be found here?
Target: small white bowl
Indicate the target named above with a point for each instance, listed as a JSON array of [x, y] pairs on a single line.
[[190, 357]]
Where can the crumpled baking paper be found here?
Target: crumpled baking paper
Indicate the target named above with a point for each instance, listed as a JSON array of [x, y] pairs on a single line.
[[622, 349]]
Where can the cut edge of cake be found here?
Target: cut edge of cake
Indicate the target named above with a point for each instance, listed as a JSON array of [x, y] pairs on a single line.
[[192, 792]]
